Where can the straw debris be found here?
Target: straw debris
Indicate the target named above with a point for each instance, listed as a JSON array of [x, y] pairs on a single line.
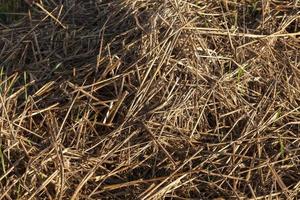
[[153, 99]]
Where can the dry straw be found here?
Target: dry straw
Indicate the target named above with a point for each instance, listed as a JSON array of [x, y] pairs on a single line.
[[152, 99]]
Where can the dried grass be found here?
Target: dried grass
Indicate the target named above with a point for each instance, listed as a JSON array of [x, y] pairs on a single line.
[[136, 99]]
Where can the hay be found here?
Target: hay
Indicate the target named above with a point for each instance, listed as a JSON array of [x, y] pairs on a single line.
[[151, 100]]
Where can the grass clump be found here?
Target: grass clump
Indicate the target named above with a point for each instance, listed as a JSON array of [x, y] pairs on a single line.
[[156, 99]]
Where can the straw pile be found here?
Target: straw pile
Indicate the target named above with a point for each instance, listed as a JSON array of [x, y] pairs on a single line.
[[151, 99]]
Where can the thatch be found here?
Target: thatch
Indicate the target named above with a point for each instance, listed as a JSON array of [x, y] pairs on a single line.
[[151, 99]]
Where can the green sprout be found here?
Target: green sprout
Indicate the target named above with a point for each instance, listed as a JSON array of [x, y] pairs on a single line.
[[281, 147]]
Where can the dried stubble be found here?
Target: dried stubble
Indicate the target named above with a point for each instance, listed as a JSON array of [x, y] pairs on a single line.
[[151, 100]]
